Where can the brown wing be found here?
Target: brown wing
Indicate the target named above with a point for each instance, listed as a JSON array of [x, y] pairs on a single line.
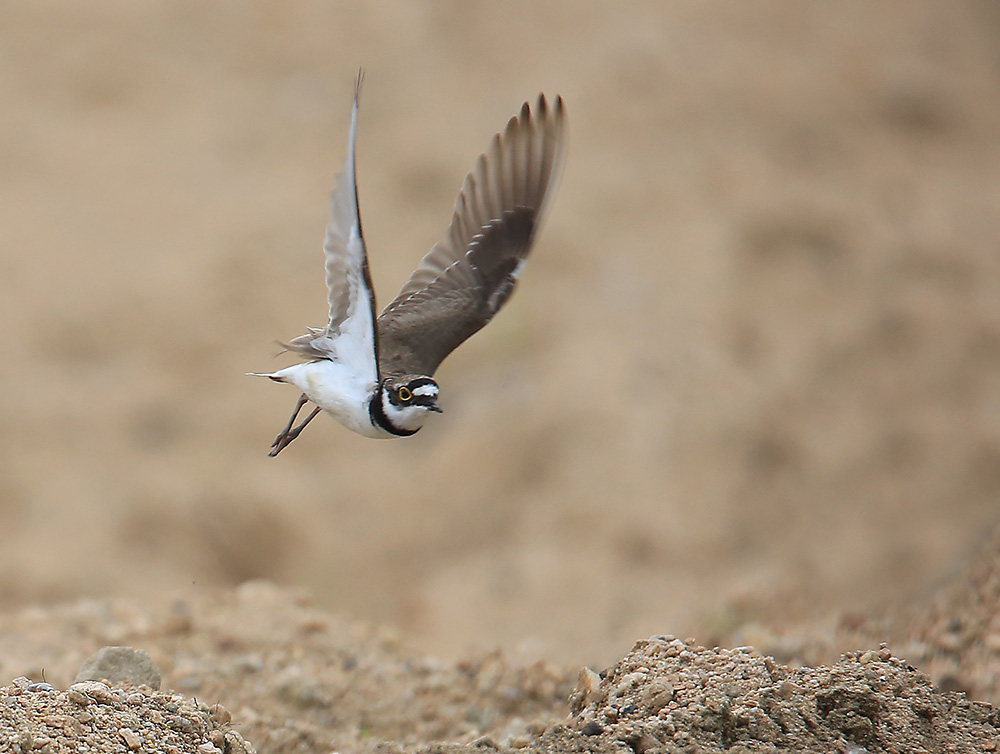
[[469, 275]]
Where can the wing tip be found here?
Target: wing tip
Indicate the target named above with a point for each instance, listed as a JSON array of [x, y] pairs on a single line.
[[358, 82]]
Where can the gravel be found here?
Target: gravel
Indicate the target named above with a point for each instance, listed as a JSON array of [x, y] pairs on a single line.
[[92, 716], [671, 695]]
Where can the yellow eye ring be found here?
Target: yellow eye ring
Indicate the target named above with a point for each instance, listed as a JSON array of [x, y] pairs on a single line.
[[405, 394]]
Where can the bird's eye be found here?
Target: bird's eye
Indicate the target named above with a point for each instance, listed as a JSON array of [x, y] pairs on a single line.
[[405, 394]]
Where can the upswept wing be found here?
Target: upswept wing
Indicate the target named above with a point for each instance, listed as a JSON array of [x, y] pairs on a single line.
[[349, 335], [469, 275]]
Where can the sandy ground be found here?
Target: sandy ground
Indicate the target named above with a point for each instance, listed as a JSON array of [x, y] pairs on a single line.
[[748, 385], [264, 665]]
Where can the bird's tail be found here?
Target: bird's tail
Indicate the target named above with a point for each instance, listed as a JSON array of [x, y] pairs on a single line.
[[270, 375]]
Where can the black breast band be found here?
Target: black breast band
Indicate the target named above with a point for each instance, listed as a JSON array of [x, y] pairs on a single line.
[[379, 419]]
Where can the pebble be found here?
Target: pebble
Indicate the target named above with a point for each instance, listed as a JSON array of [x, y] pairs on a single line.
[[787, 689], [630, 680], [219, 714], [593, 728], [119, 665], [589, 685], [85, 692], [656, 695], [131, 739], [218, 739]]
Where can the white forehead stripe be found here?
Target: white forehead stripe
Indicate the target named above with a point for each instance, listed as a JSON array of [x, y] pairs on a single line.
[[428, 390]]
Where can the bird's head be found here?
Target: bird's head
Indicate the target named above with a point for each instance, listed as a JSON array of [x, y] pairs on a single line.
[[408, 400]]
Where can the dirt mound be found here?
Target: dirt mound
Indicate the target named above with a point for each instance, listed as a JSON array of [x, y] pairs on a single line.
[[95, 717], [262, 662], [669, 695]]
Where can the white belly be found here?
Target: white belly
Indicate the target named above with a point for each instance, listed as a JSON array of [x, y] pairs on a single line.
[[339, 391]]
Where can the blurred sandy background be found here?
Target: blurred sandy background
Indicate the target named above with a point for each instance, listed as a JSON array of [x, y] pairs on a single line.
[[752, 373]]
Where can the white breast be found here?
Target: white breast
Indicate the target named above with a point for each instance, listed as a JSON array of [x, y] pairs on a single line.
[[338, 390]]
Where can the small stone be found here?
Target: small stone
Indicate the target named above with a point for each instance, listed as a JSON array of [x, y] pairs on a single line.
[[626, 683], [236, 744], [70, 724], [219, 714], [119, 665], [593, 728], [183, 724], [131, 739], [657, 695], [95, 691], [209, 748], [787, 689], [870, 656], [587, 690]]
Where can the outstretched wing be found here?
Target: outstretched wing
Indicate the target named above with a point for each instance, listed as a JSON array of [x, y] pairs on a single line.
[[469, 275], [349, 335]]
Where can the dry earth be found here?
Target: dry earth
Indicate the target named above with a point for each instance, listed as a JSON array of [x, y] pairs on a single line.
[[261, 664], [747, 392]]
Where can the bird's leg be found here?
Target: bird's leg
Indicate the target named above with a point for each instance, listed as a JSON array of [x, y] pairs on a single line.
[[298, 407], [280, 440], [288, 433], [287, 437]]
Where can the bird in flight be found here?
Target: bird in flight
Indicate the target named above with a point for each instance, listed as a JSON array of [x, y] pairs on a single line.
[[375, 374]]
